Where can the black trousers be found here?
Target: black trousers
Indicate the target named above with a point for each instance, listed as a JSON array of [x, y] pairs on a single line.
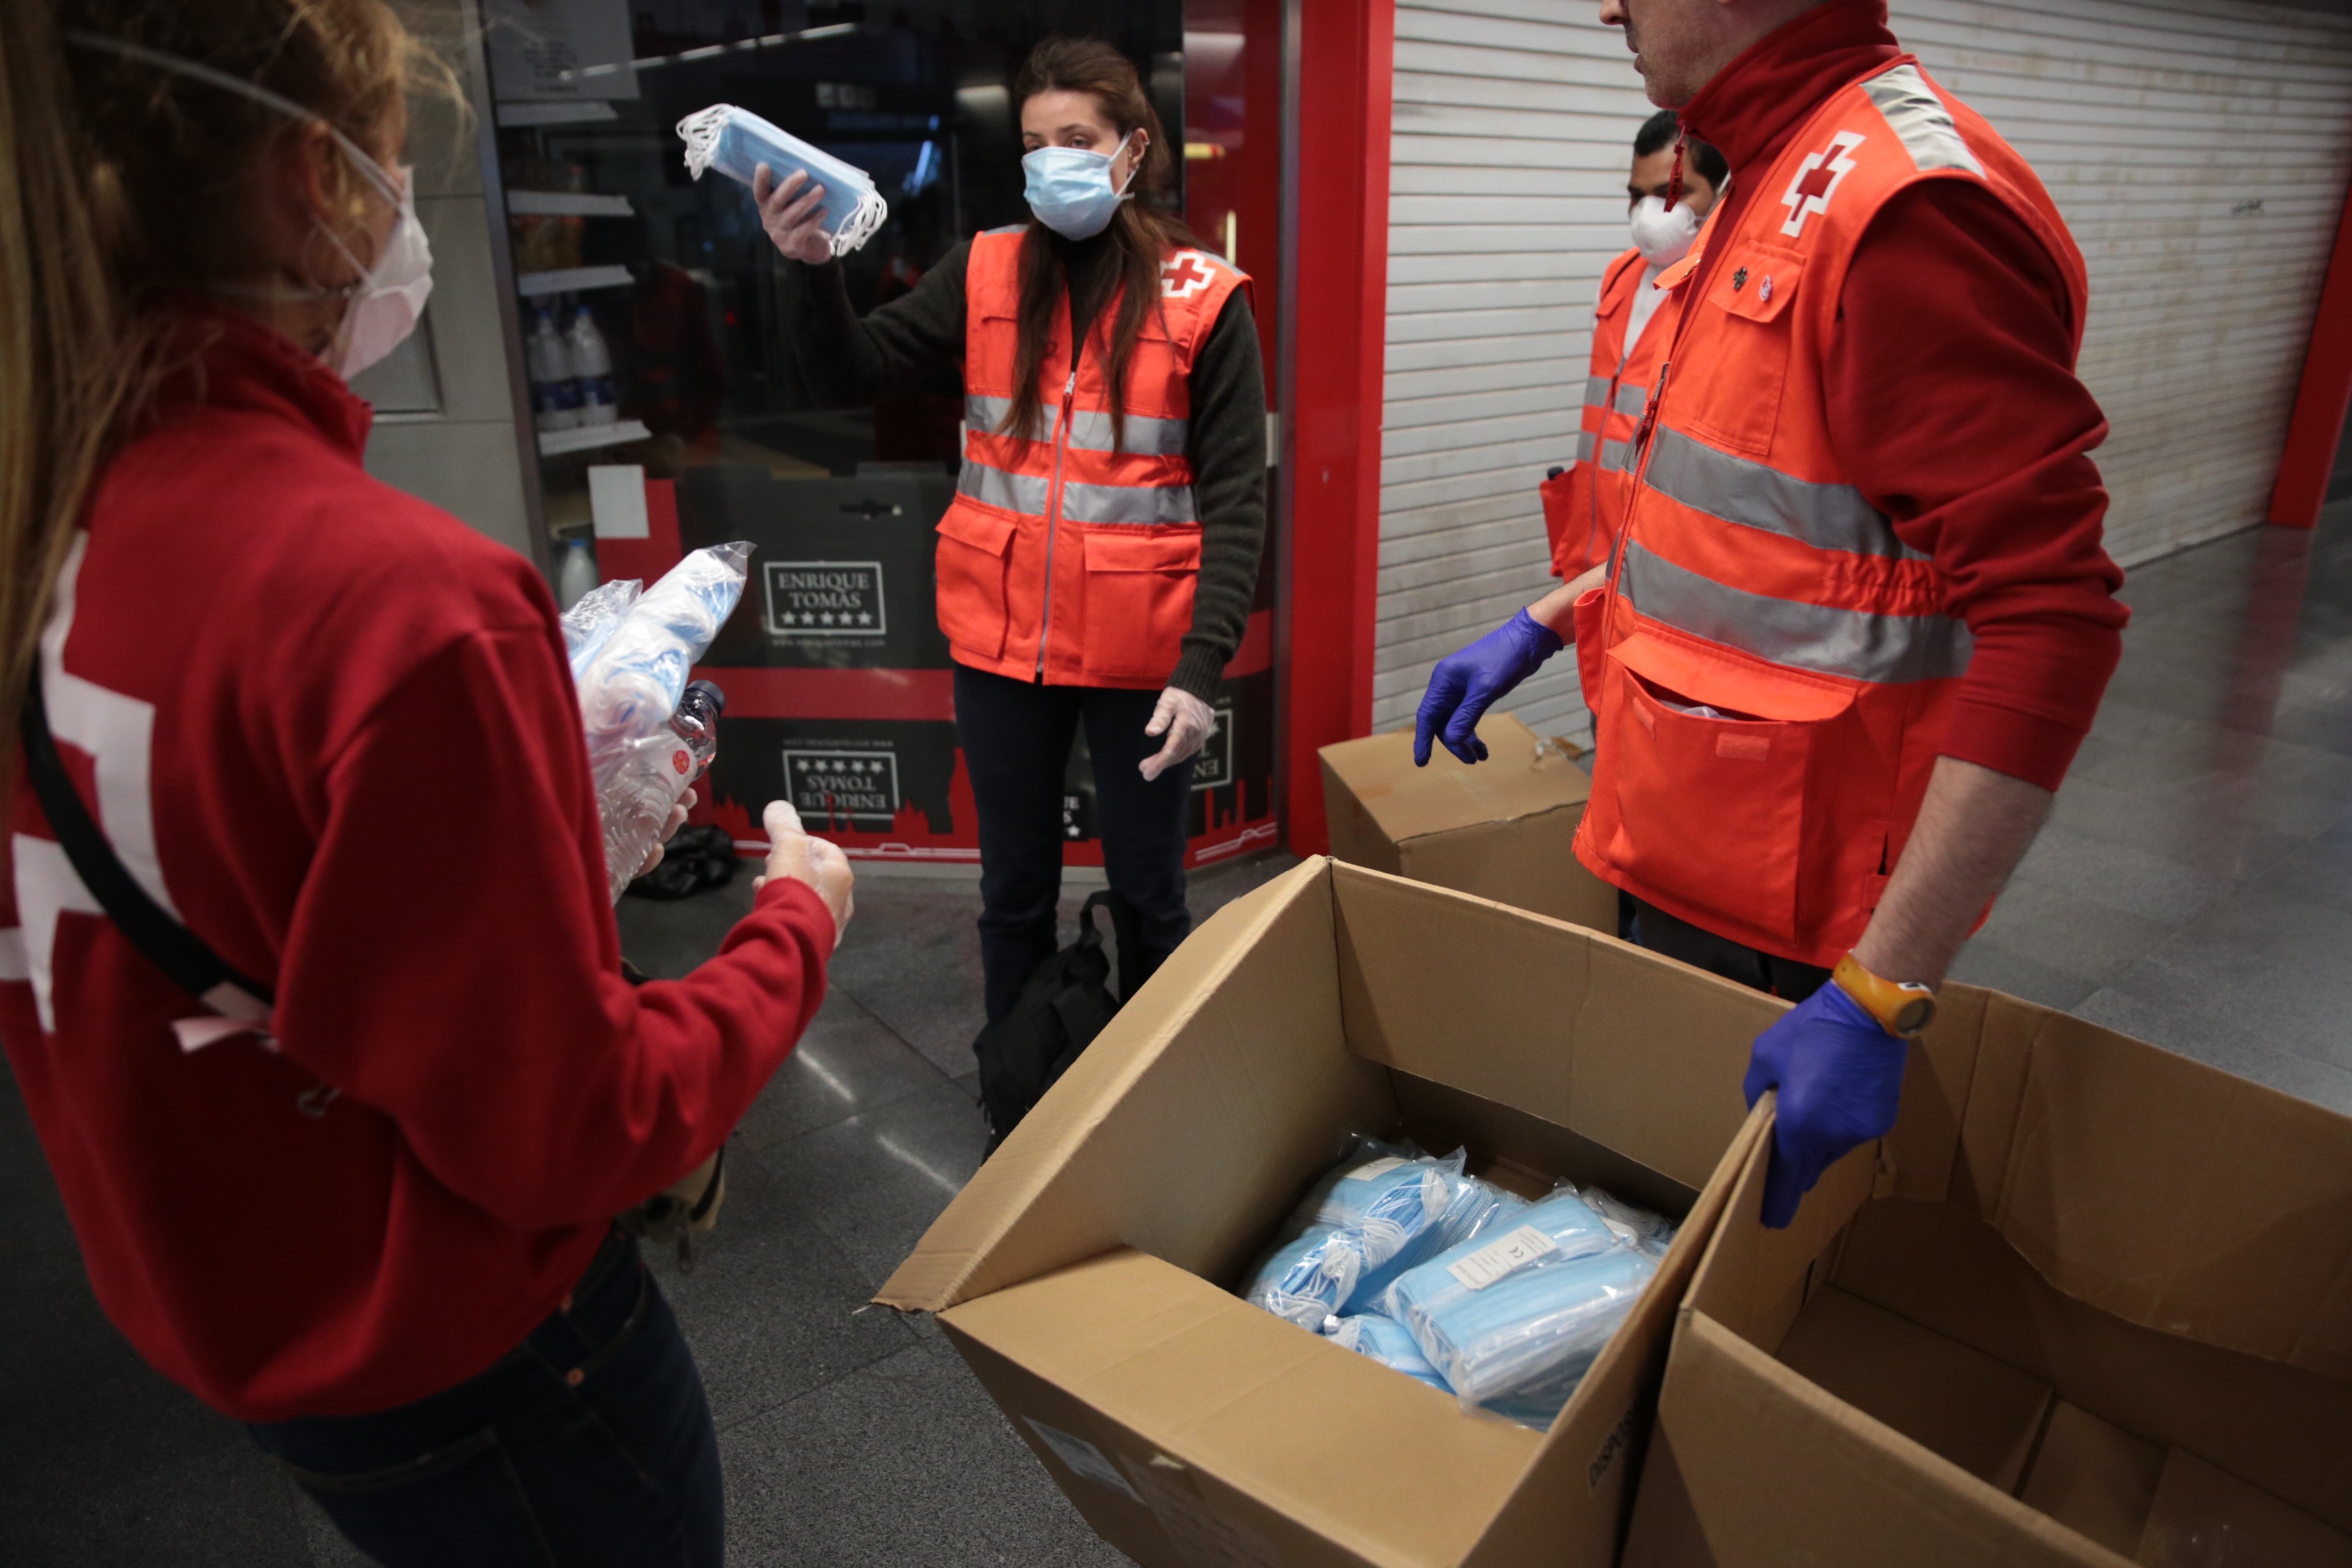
[[1652, 928], [1016, 738]]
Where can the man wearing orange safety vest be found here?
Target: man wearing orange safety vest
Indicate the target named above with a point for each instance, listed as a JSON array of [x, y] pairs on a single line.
[[1584, 503], [1860, 617]]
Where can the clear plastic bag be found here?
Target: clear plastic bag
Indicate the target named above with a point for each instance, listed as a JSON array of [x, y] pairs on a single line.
[[590, 623], [1370, 1208], [736, 141], [1513, 1318], [630, 689], [1636, 1227], [1476, 1211], [1387, 1341]]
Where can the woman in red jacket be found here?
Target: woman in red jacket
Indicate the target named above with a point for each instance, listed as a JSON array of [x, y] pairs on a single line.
[[330, 730]]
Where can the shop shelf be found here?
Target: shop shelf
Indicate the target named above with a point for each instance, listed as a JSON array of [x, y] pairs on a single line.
[[588, 438]]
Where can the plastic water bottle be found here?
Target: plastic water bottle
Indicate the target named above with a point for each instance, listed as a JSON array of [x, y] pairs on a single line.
[[592, 367], [576, 576], [657, 771], [554, 395]]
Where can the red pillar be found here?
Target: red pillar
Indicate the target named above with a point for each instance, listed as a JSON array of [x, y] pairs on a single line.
[[1346, 53], [2323, 399]]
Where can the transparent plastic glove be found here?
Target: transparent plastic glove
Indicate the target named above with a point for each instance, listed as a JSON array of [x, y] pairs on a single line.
[[1186, 720], [1466, 684], [816, 861], [1839, 1075]]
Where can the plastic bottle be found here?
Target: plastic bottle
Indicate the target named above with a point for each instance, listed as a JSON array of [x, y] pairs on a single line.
[[577, 575], [657, 771], [592, 367], [554, 395]]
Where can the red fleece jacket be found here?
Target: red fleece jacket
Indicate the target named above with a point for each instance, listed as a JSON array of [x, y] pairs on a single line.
[[1954, 406], [333, 728]]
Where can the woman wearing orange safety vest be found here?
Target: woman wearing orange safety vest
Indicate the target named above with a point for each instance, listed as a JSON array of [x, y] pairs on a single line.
[[1584, 503], [1098, 561]]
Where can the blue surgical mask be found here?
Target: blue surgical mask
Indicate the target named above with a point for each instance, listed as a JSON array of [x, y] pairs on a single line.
[[1070, 190]]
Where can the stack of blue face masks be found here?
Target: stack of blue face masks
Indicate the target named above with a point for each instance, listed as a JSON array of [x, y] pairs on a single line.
[[1382, 1202], [1387, 1341], [1513, 1318], [736, 141]]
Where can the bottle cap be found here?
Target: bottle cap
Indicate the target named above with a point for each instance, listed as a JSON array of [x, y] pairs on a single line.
[[710, 694]]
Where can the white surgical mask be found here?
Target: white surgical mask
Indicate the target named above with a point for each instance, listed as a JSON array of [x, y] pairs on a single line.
[[1662, 234], [1069, 189], [389, 298]]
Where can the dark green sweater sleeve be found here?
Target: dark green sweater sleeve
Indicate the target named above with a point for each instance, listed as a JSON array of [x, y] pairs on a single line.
[[1227, 447], [849, 361]]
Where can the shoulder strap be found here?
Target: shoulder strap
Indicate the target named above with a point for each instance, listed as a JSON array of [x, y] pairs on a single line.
[[172, 947]]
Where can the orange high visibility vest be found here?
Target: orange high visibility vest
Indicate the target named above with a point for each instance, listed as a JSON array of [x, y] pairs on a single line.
[[1584, 507], [1770, 667], [1066, 559]]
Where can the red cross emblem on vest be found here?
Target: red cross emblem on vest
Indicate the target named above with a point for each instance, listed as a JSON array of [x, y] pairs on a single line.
[[1185, 275], [1818, 178]]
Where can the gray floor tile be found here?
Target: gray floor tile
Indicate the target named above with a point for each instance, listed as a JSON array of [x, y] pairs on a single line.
[[668, 940], [848, 1062], [2224, 987], [2127, 877], [876, 1181], [1983, 962], [2071, 936], [905, 1462], [2220, 1042], [211, 1505], [772, 1308]]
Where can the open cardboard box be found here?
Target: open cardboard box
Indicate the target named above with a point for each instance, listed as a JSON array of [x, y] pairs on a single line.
[[1501, 829], [2091, 1305], [1086, 1271]]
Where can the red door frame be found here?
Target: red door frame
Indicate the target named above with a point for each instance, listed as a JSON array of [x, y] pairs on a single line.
[[2323, 397], [1343, 54]]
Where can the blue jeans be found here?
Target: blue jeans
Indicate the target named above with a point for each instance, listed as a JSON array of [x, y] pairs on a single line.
[[590, 1443]]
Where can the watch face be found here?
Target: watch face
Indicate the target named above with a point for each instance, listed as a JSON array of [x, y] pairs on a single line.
[[1915, 1015]]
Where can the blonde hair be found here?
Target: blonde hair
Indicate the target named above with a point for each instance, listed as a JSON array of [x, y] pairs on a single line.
[[121, 187]]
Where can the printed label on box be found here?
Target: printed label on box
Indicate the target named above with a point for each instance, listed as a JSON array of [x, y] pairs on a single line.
[[1204, 1536], [1498, 1258], [825, 599], [844, 786], [1212, 766], [1082, 1456]]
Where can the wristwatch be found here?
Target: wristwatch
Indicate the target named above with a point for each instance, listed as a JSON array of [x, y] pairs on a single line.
[[1904, 1007]]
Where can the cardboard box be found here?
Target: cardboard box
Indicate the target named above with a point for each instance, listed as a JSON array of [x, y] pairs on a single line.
[[1085, 1273], [2089, 1303], [1500, 829]]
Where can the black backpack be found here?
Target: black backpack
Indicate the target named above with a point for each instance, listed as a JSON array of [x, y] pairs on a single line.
[[1062, 1008]]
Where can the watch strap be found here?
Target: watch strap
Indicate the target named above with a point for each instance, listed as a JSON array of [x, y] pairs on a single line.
[[1901, 1007]]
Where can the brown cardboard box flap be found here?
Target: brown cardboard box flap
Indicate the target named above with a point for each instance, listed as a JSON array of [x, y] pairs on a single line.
[[1406, 802], [1058, 1189], [2094, 1477], [2204, 1516], [2088, 1150]]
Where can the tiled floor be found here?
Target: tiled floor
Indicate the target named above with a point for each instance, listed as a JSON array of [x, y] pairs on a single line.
[[2195, 889]]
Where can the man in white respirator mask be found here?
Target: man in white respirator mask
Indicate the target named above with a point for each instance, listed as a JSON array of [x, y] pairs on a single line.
[[1583, 502]]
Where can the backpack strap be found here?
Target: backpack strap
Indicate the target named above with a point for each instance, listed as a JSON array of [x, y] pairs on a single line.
[[183, 957], [1127, 929]]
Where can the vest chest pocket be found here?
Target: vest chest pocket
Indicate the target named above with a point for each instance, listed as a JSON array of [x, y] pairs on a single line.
[[1139, 604], [1737, 370]]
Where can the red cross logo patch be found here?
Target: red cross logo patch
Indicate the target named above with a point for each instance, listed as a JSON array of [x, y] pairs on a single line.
[[1818, 178], [1185, 274]]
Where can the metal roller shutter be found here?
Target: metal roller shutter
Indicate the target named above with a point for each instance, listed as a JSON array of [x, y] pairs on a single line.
[[2198, 153]]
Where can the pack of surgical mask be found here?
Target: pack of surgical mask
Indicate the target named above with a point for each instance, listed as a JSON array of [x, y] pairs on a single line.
[[589, 624], [1514, 1319], [736, 141], [1387, 1341]]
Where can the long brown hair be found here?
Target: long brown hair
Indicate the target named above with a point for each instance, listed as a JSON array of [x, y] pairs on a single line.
[[1141, 232], [121, 187]]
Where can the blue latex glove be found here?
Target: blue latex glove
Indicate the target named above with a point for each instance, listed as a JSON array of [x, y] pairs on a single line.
[[1466, 683], [1839, 1075]]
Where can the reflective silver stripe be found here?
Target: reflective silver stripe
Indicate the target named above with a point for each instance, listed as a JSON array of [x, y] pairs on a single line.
[[982, 415], [1920, 120], [1631, 398], [1090, 432], [1596, 391], [1127, 503], [1023, 493], [1886, 649], [1754, 495], [1585, 443], [1617, 457]]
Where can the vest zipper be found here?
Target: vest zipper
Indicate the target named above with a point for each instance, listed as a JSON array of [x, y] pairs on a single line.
[[1054, 513]]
